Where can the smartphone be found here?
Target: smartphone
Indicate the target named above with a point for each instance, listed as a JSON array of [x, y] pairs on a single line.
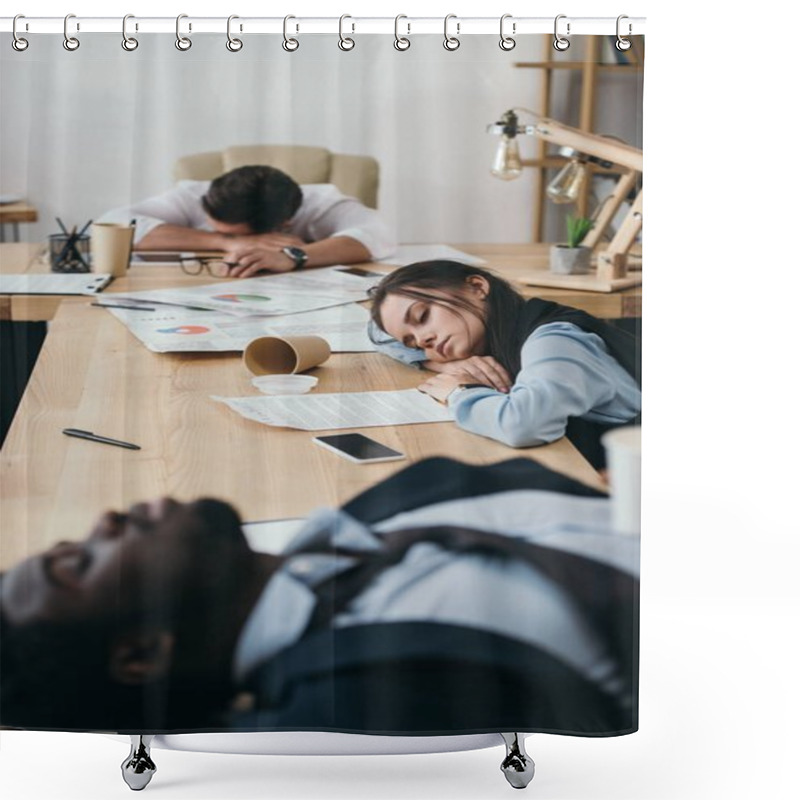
[[359, 448], [362, 273]]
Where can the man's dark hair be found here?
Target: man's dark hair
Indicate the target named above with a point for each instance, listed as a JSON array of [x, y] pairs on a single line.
[[503, 307], [262, 197]]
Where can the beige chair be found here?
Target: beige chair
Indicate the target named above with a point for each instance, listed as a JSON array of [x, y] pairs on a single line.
[[356, 176]]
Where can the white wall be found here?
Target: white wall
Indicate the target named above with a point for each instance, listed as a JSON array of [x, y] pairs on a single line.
[[86, 131]]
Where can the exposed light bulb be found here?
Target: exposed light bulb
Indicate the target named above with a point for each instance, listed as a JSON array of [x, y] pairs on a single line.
[[566, 186], [507, 164]]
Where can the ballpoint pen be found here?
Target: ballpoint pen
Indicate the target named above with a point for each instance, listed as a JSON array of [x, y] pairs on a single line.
[[92, 437], [120, 305]]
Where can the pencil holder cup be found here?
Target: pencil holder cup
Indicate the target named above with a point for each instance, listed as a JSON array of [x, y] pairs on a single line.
[[285, 355], [69, 253]]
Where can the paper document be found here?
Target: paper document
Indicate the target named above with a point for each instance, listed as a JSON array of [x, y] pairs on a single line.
[[334, 411], [171, 329], [411, 253], [329, 280], [268, 295], [54, 283]]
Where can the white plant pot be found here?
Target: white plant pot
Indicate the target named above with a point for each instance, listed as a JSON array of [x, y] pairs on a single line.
[[570, 260]]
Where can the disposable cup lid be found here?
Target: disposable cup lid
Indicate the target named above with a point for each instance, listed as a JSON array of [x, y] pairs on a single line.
[[285, 384]]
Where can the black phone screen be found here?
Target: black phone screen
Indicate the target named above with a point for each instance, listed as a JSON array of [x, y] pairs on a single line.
[[358, 446]]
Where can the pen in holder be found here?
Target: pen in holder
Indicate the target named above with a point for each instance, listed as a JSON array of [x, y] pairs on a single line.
[[69, 252]]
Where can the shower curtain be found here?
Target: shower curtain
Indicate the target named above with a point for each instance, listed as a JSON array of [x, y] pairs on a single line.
[[545, 637]]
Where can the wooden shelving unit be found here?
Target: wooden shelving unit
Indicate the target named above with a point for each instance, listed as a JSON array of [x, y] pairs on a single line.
[[589, 67]]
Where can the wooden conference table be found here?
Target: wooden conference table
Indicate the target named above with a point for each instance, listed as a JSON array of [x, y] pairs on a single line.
[[93, 374], [514, 261]]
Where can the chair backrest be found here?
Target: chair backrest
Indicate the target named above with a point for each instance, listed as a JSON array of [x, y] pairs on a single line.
[[356, 176]]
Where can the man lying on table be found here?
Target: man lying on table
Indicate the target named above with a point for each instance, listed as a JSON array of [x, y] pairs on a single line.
[[448, 598], [261, 220]]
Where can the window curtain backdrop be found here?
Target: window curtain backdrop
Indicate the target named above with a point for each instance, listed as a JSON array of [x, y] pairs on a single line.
[[99, 128]]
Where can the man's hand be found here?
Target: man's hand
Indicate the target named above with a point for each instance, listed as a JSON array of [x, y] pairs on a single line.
[[250, 254], [475, 369], [262, 252]]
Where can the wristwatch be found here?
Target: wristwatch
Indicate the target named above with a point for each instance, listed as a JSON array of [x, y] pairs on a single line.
[[297, 255], [460, 388]]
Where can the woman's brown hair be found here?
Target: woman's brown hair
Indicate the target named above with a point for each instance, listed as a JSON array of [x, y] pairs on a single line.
[[503, 303]]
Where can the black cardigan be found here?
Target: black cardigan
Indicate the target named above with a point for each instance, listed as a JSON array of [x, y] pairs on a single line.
[[623, 346]]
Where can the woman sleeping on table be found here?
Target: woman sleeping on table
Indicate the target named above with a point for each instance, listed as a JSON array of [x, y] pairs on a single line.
[[523, 372]]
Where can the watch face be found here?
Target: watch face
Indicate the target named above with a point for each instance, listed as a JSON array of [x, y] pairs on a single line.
[[300, 256]]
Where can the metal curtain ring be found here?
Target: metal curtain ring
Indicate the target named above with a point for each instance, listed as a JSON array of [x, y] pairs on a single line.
[[234, 45], [622, 43], [182, 42], [18, 43], [345, 42], [401, 42], [560, 43], [129, 43], [70, 42], [507, 42], [451, 42], [289, 44]]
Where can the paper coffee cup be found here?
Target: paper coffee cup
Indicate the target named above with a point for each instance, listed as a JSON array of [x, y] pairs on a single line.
[[624, 460], [285, 355], [110, 246]]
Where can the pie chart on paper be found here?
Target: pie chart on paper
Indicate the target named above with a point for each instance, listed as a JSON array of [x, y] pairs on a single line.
[[243, 298], [187, 330]]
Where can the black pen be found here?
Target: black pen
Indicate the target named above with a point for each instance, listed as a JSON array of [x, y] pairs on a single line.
[[129, 308], [92, 437]]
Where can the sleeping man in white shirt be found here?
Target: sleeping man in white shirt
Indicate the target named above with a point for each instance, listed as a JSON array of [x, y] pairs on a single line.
[[261, 220]]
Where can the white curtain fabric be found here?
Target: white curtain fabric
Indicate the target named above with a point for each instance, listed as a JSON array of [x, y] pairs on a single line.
[[100, 127]]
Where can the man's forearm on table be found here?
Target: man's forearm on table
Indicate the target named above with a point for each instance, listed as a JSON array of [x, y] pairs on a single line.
[[176, 237], [336, 250]]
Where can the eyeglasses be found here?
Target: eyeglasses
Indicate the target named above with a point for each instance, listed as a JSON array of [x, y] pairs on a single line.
[[215, 267]]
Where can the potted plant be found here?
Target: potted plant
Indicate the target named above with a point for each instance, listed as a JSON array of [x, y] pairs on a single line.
[[572, 258]]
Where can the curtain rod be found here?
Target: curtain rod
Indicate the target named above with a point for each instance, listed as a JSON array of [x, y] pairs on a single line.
[[298, 25]]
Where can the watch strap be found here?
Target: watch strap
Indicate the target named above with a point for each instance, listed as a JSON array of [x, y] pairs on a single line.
[[462, 387], [297, 254]]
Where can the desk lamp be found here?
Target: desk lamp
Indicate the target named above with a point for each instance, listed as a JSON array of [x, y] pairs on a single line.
[[581, 148]]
